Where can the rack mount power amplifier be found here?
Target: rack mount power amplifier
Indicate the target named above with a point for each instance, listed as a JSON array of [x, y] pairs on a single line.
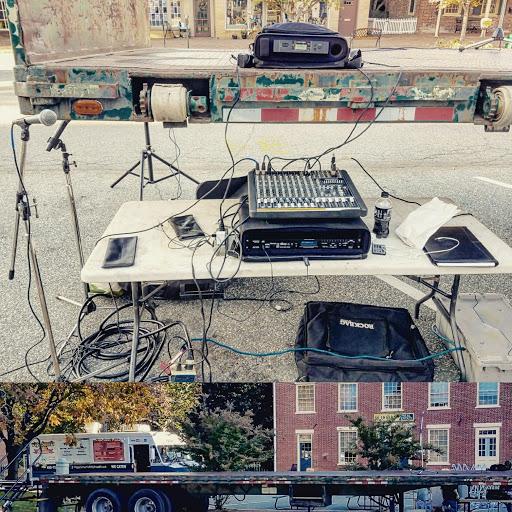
[[262, 240]]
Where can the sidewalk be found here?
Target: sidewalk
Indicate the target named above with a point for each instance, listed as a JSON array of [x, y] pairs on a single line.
[[387, 41]]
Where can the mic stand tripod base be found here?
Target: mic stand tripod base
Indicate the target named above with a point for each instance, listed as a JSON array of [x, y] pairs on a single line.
[[147, 155]]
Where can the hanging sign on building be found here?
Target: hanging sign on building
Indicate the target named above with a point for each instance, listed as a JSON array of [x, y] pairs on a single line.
[[389, 416]]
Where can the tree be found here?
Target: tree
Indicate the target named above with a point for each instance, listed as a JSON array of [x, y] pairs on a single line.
[[387, 444], [466, 6], [163, 406], [302, 10], [243, 396], [27, 410], [222, 439]]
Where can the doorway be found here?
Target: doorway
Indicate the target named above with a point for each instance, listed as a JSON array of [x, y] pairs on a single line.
[[305, 451], [141, 458], [202, 26], [347, 17]]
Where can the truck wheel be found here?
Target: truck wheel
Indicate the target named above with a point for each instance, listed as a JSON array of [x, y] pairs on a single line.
[[104, 500], [149, 500]]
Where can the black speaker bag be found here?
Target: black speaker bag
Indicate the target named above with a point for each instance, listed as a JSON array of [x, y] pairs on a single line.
[[264, 56], [355, 330]]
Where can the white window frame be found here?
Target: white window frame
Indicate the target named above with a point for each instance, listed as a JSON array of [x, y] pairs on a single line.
[[340, 430], [302, 385], [410, 11], [494, 11], [434, 407], [487, 406], [479, 427], [401, 408], [457, 13], [446, 427], [340, 386]]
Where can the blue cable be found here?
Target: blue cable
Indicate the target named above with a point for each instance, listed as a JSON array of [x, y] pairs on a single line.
[[436, 332], [281, 352]]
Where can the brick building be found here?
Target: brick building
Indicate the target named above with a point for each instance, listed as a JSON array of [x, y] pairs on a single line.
[[472, 422], [426, 13]]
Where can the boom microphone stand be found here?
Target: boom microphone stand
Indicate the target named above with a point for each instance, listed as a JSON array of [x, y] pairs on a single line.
[[23, 212], [56, 143]]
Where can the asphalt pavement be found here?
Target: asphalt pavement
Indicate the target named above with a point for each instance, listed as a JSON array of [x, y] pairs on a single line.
[[424, 160]]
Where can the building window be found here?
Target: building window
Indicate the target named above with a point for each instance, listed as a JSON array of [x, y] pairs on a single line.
[[305, 398], [488, 394], [236, 14], [392, 396], [164, 11], [347, 442], [411, 7], [495, 7], [439, 395], [348, 396], [452, 9], [487, 443], [439, 436]]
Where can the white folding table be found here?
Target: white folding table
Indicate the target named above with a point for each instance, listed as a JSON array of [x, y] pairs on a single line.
[[156, 261]]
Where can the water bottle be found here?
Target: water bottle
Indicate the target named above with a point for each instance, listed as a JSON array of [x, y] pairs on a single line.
[[382, 215]]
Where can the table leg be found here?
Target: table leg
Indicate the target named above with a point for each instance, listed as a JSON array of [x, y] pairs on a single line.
[[433, 290], [453, 324], [136, 326]]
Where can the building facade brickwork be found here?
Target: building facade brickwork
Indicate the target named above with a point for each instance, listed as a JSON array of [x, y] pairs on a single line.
[[463, 426]]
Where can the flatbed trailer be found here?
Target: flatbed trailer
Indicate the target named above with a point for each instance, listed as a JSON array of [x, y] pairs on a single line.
[[189, 491], [93, 61]]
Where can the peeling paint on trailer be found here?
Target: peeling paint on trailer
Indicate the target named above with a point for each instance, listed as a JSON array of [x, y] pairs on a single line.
[[52, 29], [327, 90], [15, 31]]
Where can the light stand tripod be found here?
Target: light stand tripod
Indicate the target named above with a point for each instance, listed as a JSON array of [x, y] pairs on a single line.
[[23, 212], [497, 35], [148, 154]]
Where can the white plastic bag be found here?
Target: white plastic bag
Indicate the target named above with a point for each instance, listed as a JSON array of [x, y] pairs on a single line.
[[423, 222]]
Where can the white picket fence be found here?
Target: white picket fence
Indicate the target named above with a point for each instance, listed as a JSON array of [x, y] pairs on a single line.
[[394, 26]]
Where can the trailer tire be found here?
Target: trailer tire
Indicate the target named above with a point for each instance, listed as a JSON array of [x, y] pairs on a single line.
[[47, 505], [149, 500], [105, 500]]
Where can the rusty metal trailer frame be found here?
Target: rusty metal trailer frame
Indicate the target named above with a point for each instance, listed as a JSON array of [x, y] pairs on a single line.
[[347, 483], [93, 61]]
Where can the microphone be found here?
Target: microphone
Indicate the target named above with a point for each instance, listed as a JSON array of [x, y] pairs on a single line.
[[54, 139], [46, 117]]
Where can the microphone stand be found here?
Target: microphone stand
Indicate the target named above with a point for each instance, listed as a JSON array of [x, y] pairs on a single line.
[[56, 143], [497, 35], [23, 212]]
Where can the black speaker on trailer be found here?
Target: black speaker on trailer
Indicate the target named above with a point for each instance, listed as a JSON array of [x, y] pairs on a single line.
[[300, 45]]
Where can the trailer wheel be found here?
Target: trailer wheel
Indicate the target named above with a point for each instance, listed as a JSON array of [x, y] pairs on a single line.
[[104, 500], [149, 500]]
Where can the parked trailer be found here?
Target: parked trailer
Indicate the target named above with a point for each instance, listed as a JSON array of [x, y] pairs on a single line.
[[180, 492], [109, 451], [93, 60]]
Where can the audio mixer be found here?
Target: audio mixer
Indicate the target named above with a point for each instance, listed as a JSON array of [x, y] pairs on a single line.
[[303, 194]]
